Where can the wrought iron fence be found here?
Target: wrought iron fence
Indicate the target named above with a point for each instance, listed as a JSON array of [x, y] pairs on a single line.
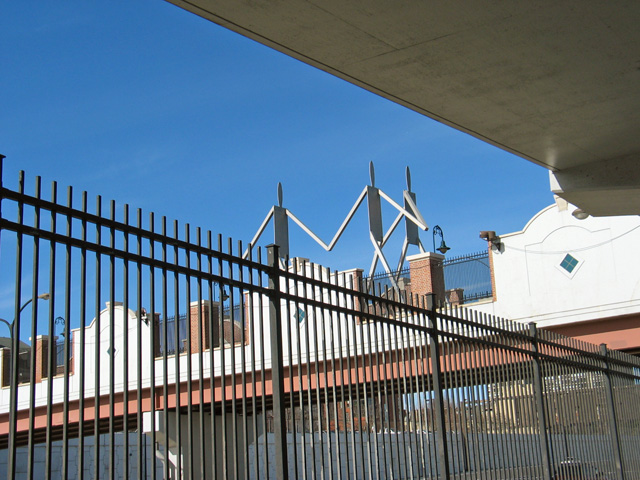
[[168, 344], [315, 378], [470, 273], [60, 356], [380, 282]]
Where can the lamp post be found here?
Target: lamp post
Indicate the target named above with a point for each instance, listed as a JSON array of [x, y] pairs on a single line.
[[42, 296], [11, 326], [443, 246], [13, 381]]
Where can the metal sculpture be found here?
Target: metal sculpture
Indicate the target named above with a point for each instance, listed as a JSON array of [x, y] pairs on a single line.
[[411, 214]]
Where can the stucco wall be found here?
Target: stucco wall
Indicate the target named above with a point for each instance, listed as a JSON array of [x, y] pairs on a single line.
[[532, 286]]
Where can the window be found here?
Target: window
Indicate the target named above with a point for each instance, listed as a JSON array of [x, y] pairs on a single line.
[[300, 315], [569, 263]]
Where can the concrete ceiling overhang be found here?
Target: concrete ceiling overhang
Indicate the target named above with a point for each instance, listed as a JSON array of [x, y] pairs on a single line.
[[554, 82]]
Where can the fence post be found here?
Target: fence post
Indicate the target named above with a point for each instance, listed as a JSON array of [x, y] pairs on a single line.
[[277, 369], [438, 387], [613, 422], [539, 395]]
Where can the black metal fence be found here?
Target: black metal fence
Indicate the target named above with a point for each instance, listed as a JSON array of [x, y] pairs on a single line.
[[383, 281], [314, 378], [169, 348], [470, 273]]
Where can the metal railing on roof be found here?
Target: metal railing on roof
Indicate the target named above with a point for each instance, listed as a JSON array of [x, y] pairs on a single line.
[[469, 272]]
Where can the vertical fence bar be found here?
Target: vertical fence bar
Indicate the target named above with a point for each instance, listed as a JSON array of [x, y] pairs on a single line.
[[252, 360], [232, 342], [288, 310], [176, 358], [15, 345], [152, 347], [223, 366], [97, 337], [438, 389], [427, 386], [355, 410], [67, 340], [51, 355], [368, 390], [189, 330], [277, 370], [341, 353], [316, 319], [348, 420], [243, 361], [83, 341], [323, 409], [309, 374], [539, 397], [112, 349], [125, 341], [263, 381], [613, 420], [141, 456], [301, 392], [201, 342], [34, 334], [165, 343], [212, 380], [336, 421]]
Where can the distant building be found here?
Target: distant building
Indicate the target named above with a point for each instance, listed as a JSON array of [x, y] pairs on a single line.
[[577, 277]]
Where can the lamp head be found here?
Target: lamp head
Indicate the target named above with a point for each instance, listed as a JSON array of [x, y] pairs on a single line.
[[443, 246], [580, 214], [443, 249]]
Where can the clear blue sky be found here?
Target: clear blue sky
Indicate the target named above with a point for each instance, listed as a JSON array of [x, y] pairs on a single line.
[[150, 105]]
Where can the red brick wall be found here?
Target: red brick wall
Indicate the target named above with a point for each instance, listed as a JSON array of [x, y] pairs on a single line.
[[6, 371], [455, 296], [493, 276], [427, 275], [42, 356]]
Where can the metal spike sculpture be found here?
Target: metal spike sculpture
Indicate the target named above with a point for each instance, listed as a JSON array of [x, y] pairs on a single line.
[[410, 212]]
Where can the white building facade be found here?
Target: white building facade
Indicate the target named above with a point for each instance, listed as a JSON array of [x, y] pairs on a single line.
[[579, 277]]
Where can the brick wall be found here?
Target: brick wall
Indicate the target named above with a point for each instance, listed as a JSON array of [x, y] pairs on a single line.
[[427, 275], [42, 357], [202, 315], [455, 296]]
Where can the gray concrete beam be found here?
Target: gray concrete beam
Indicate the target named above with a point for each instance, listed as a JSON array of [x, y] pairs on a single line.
[[602, 188]]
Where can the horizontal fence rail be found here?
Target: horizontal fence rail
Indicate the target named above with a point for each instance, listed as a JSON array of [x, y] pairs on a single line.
[[177, 358]]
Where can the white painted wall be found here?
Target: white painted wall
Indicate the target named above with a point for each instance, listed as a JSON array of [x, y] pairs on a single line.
[[40, 452], [317, 337], [88, 366], [531, 287]]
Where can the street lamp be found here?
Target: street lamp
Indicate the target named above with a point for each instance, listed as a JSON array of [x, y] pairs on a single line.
[[42, 296], [11, 325], [13, 381], [443, 246]]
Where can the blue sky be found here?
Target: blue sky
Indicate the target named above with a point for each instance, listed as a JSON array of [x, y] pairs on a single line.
[[150, 105]]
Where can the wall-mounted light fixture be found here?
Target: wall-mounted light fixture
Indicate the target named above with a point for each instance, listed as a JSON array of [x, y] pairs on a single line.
[[143, 316], [579, 214], [490, 236]]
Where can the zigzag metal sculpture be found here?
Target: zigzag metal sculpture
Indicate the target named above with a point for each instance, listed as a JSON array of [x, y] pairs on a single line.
[[411, 214]]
